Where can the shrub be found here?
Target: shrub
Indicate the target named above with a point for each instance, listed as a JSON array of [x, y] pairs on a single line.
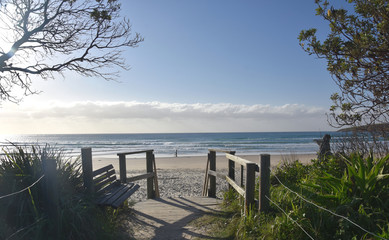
[[354, 187], [24, 215]]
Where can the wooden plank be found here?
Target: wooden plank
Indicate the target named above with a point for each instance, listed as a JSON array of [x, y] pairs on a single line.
[[150, 181], [106, 175], [86, 156], [235, 186], [101, 184], [169, 218], [107, 196], [122, 168], [51, 193], [125, 196], [237, 159], [114, 192], [212, 179], [249, 186], [217, 174], [222, 151], [102, 170], [111, 187], [264, 188], [241, 175], [140, 177], [231, 170], [205, 186], [119, 191], [155, 176], [136, 152]]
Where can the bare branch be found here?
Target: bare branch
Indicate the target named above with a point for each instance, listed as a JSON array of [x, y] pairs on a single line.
[[90, 34]]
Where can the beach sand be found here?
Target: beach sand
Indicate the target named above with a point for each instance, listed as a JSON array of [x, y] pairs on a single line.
[[192, 162], [184, 176]]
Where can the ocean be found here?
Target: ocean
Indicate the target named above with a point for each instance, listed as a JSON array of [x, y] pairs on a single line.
[[186, 144]]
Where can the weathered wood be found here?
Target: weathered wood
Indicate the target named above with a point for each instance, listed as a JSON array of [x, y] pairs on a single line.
[[122, 168], [102, 170], [237, 159], [170, 218], [117, 194], [264, 188], [212, 179], [249, 186], [125, 196], [103, 181], [222, 151], [155, 176], [112, 192], [217, 174], [150, 181], [51, 193], [205, 186], [140, 177], [86, 157], [136, 152], [241, 176], [231, 169], [106, 174], [240, 190]]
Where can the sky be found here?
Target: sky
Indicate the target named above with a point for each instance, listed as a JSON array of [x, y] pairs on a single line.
[[204, 66]]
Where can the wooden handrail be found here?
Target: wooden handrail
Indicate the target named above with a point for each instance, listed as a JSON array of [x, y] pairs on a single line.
[[241, 161], [136, 152], [141, 177], [237, 159], [222, 151], [246, 190]]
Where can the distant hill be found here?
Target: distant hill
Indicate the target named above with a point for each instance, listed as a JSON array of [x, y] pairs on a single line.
[[382, 127]]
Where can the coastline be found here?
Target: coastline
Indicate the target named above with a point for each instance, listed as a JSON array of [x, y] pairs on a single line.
[[193, 162], [184, 176]]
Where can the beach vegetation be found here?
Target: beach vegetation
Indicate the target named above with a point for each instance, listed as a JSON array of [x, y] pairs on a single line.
[[23, 212], [47, 38], [356, 50], [343, 197]]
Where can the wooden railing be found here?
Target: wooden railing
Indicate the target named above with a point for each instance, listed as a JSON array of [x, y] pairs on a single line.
[[151, 170], [247, 169]]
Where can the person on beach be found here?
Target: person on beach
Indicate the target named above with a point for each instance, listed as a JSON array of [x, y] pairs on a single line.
[[176, 152]]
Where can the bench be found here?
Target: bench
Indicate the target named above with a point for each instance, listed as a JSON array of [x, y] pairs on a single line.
[[110, 191]]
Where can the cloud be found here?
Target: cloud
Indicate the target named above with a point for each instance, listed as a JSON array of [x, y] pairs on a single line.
[[136, 116], [153, 110]]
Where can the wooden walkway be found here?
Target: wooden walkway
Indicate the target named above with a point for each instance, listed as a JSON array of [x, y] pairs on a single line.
[[168, 218]]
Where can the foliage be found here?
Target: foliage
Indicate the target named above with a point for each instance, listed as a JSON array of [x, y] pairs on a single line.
[[356, 50], [25, 216], [290, 171], [362, 143], [44, 37], [354, 187]]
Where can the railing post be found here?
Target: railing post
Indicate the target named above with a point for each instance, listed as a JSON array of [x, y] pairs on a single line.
[[51, 193], [231, 171], [231, 168], [122, 168], [264, 188], [212, 179], [149, 169], [241, 175], [86, 156], [205, 187], [250, 186], [155, 176]]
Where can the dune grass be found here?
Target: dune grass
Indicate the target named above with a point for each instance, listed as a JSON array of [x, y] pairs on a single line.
[[354, 187], [24, 215]]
